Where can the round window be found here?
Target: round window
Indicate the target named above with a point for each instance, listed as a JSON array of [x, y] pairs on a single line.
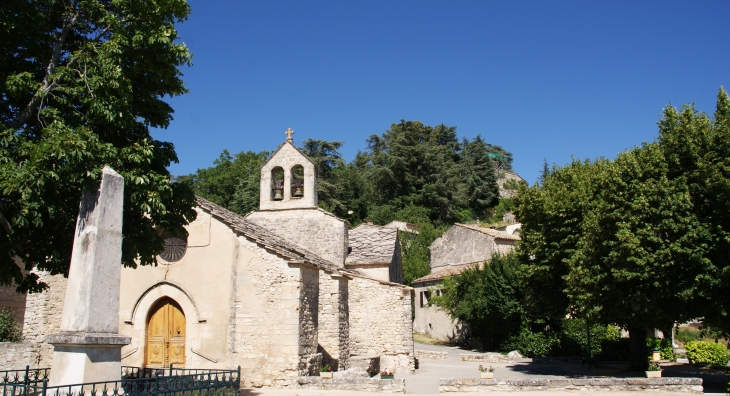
[[173, 248]]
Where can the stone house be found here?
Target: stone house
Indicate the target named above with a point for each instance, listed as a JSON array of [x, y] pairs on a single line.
[[462, 246], [269, 291]]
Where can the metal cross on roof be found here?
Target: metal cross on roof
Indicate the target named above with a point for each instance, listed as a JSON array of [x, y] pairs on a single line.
[[288, 133]]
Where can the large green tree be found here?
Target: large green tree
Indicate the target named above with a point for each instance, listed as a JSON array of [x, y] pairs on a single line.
[[233, 181], [479, 178], [81, 84], [638, 241], [416, 164], [697, 151]]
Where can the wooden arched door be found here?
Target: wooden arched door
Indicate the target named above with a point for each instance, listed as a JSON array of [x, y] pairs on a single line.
[[165, 335]]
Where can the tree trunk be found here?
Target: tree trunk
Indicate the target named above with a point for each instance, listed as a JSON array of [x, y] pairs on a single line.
[[637, 349], [669, 334]]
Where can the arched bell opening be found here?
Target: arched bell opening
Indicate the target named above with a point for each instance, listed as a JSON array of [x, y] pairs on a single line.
[[297, 181], [165, 338], [277, 184]]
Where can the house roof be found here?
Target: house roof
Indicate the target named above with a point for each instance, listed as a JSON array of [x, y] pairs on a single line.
[[403, 226], [265, 238], [371, 244], [443, 272], [493, 233]]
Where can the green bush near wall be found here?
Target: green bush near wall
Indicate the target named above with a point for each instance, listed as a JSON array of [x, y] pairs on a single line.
[[664, 345], [9, 330], [705, 352]]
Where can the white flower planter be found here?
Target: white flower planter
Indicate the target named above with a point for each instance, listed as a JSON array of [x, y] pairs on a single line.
[[487, 375], [653, 374]]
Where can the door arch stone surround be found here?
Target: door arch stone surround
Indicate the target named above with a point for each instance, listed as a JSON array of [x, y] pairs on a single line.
[[138, 321]]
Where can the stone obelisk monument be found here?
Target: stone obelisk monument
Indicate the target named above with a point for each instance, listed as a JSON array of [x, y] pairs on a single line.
[[88, 347]]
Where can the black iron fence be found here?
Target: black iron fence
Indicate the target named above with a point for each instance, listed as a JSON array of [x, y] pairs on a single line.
[[14, 380], [135, 381]]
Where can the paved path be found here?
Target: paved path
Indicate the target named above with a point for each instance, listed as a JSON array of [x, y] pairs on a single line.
[[425, 380]]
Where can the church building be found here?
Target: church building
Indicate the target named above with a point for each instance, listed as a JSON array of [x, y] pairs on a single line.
[[272, 291]]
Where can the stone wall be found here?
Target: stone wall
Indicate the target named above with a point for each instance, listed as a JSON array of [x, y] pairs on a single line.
[[421, 354], [486, 357], [309, 359], [334, 332], [313, 229], [43, 313], [381, 323], [17, 355], [396, 385], [264, 333], [689, 385], [463, 244]]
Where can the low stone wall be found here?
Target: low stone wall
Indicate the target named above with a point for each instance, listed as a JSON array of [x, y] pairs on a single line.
[[487, 357], [17, 355], [397, 385], [431, 355], [690, 385], [365, 364], [555, 360]]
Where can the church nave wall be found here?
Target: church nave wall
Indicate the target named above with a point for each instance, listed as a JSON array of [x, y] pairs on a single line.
[[267, 313], [381, 323]]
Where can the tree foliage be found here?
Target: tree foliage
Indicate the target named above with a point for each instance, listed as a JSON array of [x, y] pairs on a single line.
[[233, 182], [488, 297], [416, 164], [82, 84], [635, 241]]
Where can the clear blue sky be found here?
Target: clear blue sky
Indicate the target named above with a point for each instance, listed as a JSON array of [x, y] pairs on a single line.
[[543, 79]]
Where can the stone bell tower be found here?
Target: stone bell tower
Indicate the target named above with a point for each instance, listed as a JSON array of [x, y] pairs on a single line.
[[288, 205], [288, 179]]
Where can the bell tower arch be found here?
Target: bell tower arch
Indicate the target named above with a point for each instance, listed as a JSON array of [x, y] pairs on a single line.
[[288, 179]]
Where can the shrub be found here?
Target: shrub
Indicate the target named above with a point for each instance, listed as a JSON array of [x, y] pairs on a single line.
[[532, 344], [687, 334], [664, 346], [613, 333], [10, 331], [574, 338], [705, 352]]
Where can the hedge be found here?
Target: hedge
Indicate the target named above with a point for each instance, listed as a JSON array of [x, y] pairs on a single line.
[[705, 352]]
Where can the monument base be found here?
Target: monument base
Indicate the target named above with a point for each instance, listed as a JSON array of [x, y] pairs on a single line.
[[86, 357]]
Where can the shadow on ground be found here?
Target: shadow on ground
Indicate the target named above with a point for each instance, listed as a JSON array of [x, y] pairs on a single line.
[[564, 370]]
